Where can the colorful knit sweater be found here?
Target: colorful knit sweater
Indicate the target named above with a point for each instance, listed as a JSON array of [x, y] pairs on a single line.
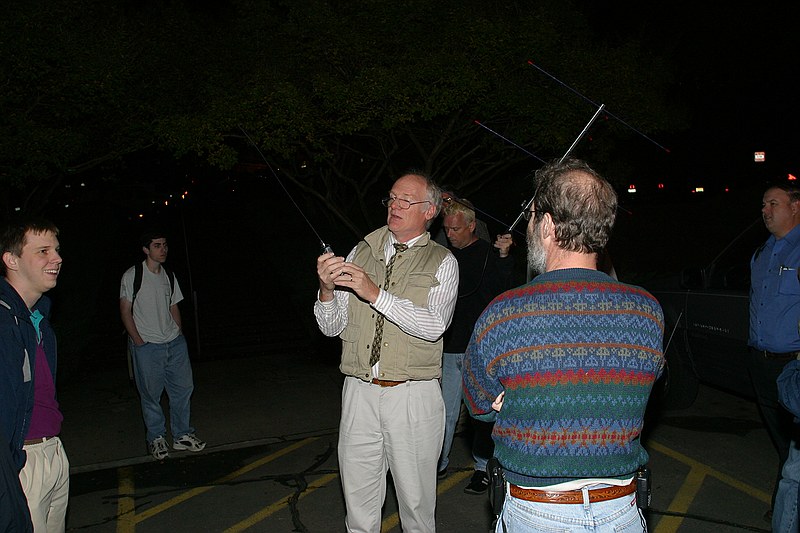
[[576, 353]]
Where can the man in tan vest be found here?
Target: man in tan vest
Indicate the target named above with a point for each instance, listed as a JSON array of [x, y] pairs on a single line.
[[390, 302]]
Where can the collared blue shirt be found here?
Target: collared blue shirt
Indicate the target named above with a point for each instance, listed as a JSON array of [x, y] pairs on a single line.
[[775, 294]]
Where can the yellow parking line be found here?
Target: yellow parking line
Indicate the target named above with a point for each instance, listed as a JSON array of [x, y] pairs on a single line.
[[127, 517], [277, 506], [149, 513], [686, 494], [126, 505], [707, 470], [393, 520], [681, 502]]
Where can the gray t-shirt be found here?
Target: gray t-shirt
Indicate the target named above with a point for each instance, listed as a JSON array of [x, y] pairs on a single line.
[[151, 308]]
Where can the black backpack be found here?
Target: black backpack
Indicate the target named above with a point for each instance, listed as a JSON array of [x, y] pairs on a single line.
[[137, 280]]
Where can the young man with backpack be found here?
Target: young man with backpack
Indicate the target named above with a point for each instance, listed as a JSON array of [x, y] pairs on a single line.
[[149, 297]]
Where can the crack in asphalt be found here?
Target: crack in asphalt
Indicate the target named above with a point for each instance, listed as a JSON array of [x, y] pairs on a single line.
[[298, 481]]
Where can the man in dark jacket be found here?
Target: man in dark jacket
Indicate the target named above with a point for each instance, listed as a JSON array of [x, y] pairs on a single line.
[[482, 275], [30, 418], [14, 514]]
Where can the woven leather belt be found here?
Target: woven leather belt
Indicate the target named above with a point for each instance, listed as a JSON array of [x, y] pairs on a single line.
[[387, 383], [37, 441], [572, 496]]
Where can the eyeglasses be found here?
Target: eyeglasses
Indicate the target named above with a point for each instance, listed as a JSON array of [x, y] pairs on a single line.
[[401, 203], [528, 213]]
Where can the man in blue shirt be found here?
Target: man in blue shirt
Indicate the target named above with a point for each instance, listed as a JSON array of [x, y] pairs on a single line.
[[774, 315]]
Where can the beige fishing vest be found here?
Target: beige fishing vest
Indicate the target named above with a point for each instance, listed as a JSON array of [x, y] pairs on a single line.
[[403, 357]]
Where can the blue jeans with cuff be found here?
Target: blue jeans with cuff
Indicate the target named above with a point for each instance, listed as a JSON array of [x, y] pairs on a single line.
[[160, 367]]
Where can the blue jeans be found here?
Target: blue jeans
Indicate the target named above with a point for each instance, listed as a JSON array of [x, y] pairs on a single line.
[[611, 516], [784, 514], [158, 367], [452, 394]]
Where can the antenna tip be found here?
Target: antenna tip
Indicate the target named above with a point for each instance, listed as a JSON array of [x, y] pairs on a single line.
[[478, 122]]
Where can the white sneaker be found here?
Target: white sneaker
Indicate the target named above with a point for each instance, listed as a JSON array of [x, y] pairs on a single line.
[[188, 442], [159, 449]]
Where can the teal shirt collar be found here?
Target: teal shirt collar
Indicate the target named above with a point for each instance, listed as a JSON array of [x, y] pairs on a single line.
[[36, 318]]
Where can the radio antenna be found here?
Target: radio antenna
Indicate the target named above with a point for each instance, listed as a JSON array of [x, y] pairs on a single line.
[[563, 157], [325, 248], [543, 71]]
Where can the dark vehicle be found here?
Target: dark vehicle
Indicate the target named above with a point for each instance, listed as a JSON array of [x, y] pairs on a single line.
[[706, 316]]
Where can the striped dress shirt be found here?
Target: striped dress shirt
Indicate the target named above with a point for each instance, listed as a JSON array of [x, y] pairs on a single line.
[[428, 323]]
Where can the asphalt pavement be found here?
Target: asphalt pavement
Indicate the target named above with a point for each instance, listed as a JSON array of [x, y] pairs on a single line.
[[271, 421], [237, 402], [271, 426]]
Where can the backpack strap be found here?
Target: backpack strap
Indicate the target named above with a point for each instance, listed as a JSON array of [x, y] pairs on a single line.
[[137, 281], [171, 276]]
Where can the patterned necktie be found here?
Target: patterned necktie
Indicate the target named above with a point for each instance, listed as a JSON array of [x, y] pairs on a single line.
[[376, 342]]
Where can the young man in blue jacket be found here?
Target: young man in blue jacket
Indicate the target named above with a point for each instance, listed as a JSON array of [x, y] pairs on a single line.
[[30, 418]]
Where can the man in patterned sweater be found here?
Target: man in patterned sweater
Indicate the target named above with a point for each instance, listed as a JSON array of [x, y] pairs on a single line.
[[564, 365]]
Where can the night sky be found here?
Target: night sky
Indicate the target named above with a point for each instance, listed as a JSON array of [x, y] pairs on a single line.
[[736, 67], [737, 70]]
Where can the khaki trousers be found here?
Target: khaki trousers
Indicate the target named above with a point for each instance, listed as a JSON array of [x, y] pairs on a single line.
[[398, 428], [45, 480]]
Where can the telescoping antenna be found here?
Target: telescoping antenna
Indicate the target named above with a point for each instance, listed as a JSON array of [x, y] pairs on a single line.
[[509, 141], [563, 157], [325, 247], [597, 113], [543, 71]]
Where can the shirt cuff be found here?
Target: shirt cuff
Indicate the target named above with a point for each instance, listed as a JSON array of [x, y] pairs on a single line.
[[326, 307], [383, 302]]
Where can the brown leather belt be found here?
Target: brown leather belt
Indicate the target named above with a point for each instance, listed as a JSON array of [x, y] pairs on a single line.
[[572, 496], [37, 441], [387, 383]]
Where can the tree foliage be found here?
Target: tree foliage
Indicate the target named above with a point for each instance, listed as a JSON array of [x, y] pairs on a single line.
[[339, 96]]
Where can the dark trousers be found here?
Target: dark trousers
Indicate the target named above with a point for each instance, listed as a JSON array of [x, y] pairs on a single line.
[[482, 443], [764, 372]]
